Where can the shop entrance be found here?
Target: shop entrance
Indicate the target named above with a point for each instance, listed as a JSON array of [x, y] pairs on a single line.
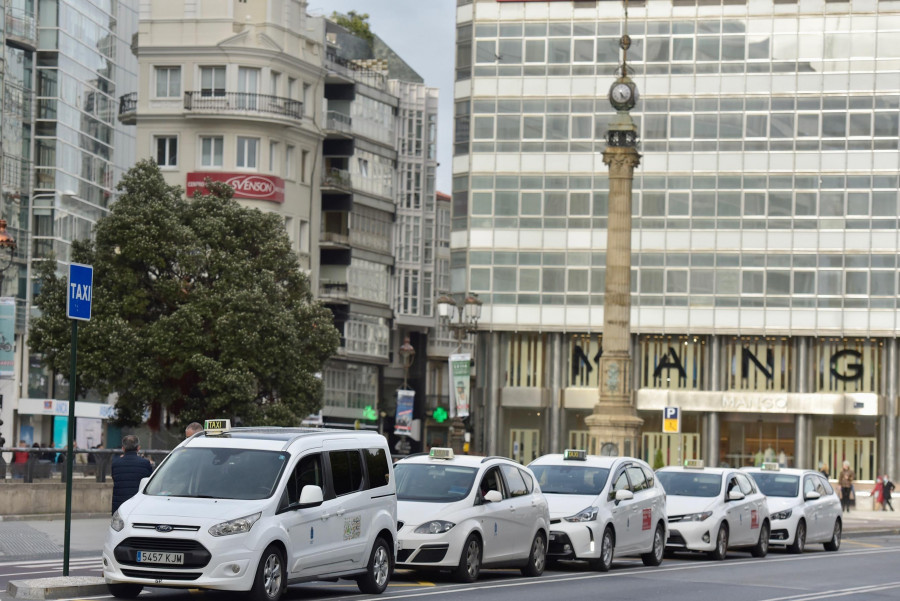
[[751, 439], [524, 445], [860, 452], [674, 449]]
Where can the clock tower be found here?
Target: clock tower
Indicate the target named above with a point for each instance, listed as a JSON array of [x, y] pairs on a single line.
[[614, 426]]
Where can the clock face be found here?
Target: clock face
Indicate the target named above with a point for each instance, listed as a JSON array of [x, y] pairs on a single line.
[[621, 93], [609, 449]]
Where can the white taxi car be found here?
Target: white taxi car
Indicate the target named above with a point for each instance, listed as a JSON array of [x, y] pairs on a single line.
[[462, 513], [255, 509], [600, 506], [714, 509], [804, 507]]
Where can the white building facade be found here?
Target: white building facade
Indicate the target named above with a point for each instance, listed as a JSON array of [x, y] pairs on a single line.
[[765, 238]]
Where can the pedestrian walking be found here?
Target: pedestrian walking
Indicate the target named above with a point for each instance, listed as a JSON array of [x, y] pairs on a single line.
[[845, 481], [878, 495], [823, 469], [887, 488], [128, 469]]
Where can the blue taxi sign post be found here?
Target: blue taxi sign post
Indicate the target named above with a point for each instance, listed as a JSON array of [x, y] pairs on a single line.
[[79, 296]]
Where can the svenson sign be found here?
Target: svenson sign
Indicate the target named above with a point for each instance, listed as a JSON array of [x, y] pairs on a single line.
[[246, 185]]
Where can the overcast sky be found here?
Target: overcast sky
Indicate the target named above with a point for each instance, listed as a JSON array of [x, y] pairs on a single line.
[[422, 33]]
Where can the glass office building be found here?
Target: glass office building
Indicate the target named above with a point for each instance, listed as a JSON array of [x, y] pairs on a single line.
[[765, 238]]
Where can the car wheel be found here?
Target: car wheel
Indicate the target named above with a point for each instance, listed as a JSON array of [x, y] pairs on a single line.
[[721, 549], [125, 590], [761, 548], [270, 576], [470, 561], [835, 543], [378, 572], [607, 550], [537, 559], [655, 556], [799, 543]]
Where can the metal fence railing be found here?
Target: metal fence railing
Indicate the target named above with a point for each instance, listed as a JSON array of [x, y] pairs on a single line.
[[32, 464]]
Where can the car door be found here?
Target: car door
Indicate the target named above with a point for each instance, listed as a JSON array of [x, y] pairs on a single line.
[[524, 507], [830, 507], [620, 510], [353, 511], [641, 517], [502, 534], [812, 509], [737, 512], [657, 499], [755, 503]]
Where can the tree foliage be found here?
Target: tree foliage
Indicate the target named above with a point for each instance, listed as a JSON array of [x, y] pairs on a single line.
[[356, 23], [199, 307]]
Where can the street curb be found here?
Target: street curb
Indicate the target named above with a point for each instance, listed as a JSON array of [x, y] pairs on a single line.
[[58, 587], [868, 533]]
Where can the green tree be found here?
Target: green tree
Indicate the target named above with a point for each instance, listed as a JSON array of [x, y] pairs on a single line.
[[356, 23], [199, 307], [658, 461]]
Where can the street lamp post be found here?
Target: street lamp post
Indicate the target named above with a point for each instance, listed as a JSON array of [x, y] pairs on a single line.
[[467, 316]]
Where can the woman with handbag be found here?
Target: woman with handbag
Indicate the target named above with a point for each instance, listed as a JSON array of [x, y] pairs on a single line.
[[846, 483]]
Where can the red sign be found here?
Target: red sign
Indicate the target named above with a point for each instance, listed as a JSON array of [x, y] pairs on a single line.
[[246, 185], [754, 519], [646, 519]]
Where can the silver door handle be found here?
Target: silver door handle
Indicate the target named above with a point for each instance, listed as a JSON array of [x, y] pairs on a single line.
[[340, 512], [325, 516], [511, 508]]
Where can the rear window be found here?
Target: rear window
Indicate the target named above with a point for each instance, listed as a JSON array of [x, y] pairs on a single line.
[[377, 467], [690, 484]]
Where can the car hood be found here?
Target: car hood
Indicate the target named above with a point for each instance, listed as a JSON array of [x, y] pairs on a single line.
[[562, 506], [152, 509], [416, 513], [777, 504], [678, 505]]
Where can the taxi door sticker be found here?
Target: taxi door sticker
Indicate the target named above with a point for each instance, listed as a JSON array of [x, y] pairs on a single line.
[[646, 518], [754, 519], [351, 527]]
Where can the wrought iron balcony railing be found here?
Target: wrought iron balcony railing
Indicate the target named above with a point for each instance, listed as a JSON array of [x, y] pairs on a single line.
[[242, 102], [128, 103]]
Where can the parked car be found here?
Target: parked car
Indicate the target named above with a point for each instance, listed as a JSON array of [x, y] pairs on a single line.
[[463, 513], [602, 506]]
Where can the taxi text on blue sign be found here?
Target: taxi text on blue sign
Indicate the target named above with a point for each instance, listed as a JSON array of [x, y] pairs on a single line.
[[671, 420], [81, 286]]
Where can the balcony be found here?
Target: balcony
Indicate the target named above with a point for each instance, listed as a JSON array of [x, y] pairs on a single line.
[[338, 179], [335, 239], [21, 26], [333, 291], [338, 122], [128, 108], [354, 71], [243, 103]]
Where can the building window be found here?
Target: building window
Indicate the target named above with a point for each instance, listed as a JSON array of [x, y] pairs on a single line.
[[212, 81], [211, 151], [247, 149], [275, 83], [306, 90], [168, 82], [273, 158], [166, 151], [304, 159], [290, 170]]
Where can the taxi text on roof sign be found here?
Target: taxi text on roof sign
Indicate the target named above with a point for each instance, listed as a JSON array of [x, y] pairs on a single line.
[[695, 464], [771, 466], [441, 453], [214, 427], [579, 454]]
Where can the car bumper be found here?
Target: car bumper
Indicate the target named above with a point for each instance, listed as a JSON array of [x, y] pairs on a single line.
[[574, 540], [430, 550], [784, 531], [692, 536]]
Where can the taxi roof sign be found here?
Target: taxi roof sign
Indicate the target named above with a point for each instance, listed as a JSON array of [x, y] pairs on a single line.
[[694, 464], [770, 466], [441, 453], [216, 427], [576, 454]]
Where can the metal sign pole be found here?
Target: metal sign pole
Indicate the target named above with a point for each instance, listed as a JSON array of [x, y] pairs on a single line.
[[70, 456]]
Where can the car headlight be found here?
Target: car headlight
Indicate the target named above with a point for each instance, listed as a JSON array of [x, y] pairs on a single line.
[[117, 523], [782, 515], [434, 527], [696, 517], [588, 514], [235, 526]]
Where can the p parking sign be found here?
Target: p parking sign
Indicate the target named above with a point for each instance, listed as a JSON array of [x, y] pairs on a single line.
[[671, 420]]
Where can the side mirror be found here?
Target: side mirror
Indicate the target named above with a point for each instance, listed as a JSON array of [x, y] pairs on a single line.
[[624, 495], [310, 496], [493, 496], [143, 483], [735, 495], [812, 495]]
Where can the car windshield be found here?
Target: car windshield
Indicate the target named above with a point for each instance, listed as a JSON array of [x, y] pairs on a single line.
[[570, 479], [433, 483], [690, 484], [217, 473], [778, 485]]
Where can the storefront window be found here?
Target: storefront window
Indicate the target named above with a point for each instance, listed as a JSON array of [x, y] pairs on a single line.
[[847, 365], [674, 362], [583, 355], [755, 363]]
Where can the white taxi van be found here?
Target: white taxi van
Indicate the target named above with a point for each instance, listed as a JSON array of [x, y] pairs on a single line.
[[256, 509], [804, 507], [462, 513], [601, 506], [714, 509]]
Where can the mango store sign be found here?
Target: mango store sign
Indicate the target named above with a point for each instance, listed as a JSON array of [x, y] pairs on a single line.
[[253, 186]]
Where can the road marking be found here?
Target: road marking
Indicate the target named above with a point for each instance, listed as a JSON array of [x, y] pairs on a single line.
[[837, 592]]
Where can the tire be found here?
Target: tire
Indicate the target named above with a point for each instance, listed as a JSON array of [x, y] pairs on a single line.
[[655, 556], [470, 561], [125, 590], [537, 559], [799, 543], [721, 549], [270, 576], [607, 551], [378, 570], [835, 543], [761, 548]]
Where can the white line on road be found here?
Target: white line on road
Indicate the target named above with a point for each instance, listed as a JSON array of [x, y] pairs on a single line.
[[837, 592]]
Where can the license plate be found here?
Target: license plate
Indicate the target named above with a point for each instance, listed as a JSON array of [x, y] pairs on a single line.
[[157, 557]]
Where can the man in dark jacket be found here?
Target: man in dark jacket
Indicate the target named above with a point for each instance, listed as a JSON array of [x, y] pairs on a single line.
[[128, 470]]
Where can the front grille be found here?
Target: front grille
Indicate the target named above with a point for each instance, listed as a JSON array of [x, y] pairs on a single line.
[[403, 555], [780, 534], [675, 538], [557, 546], [431, 553], [175, 527], [161, 575], [675, 518], [195, 554]]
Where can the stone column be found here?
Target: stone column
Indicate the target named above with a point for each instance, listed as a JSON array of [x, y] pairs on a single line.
[[890, 409], [557, 384], [615, 419], [492, 431], [802, 444]]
